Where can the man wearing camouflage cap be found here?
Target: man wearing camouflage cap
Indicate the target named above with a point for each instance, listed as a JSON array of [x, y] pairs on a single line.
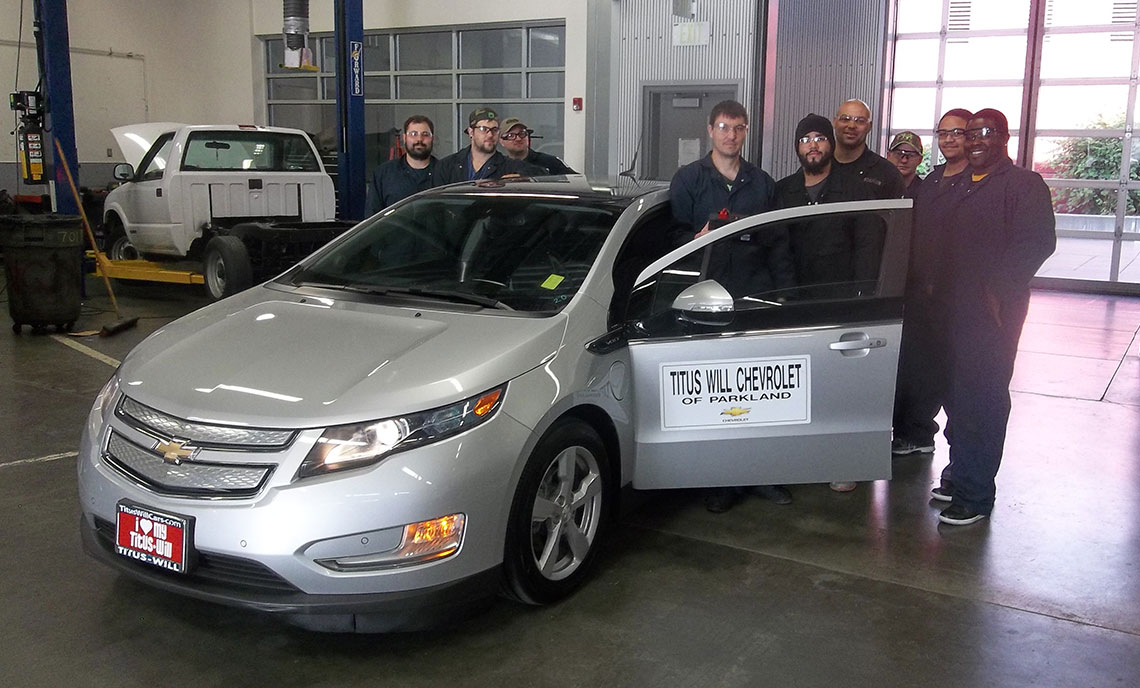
[[905, 153], [482, 159], [516, 137]]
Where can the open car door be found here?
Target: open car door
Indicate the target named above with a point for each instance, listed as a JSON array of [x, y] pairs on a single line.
[[765, 352]]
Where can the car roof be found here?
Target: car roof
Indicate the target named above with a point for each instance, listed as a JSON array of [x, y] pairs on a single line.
[[620, 190]]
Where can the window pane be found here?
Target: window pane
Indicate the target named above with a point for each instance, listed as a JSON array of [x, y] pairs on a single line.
[[547, 47], [991, 57], [1085, 210], [1081, 107], [377, 57], [423, 51], [378, 87], [1088, 12], [275, 56], [916, 60], [1006, 99], [426, 86], [490, 49], [1075, 157], [913, 108], [490, 86], [1007, 14], [547, 85], [296, 88], [327, 55], [1086, 55], [545, 118], [920, 15], [318, 120]]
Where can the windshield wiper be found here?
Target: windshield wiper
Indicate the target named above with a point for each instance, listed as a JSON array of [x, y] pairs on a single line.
[[442, 294]]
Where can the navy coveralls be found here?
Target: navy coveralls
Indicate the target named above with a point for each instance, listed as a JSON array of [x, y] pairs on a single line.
[[395, 180]]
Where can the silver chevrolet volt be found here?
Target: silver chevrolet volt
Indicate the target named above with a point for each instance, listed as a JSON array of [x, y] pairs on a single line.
[[445, 402]]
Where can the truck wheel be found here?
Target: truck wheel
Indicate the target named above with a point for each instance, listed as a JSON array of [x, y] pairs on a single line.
[[227, 267], [116, 244]]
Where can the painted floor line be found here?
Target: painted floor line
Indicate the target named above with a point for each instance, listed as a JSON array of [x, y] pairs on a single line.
[[40, 459], [86, 350]]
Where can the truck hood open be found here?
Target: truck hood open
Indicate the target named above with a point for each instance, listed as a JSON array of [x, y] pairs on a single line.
[[136, 139], [263, 359]]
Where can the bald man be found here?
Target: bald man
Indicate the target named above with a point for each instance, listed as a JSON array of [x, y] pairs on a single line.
[[874, 173]]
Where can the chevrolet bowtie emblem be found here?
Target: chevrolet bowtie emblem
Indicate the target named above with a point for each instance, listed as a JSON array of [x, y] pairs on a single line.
[[735, 411], [174, 451]]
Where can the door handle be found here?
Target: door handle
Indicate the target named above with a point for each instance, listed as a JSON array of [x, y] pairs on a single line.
[[858, 344]]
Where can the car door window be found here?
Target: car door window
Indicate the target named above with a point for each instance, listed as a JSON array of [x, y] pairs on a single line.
[[778, 272], [154, 162]]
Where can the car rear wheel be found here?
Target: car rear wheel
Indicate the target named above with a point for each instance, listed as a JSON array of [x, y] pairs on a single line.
[[116, 244], [558, 516], [227, 267]]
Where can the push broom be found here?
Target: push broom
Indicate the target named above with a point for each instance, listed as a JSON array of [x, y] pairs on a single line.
[[121, 323]]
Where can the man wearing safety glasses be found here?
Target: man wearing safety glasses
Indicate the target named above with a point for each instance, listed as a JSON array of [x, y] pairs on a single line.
[[1002, 231], [482, 159], [905, 153], [410, 173], [516, 138], [853, 158]]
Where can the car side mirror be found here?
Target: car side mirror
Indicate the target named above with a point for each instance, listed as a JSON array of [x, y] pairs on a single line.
[[705, 303], [123, 172]]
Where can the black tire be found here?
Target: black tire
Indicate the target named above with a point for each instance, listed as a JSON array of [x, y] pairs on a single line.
[[227, 268], [115, 242], [541, 565]]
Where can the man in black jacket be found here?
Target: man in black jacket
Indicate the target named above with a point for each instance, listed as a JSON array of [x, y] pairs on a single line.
[[516, 138], [853, 157], [482, 159], [718, 188], [410, 173], [832, 255], [1003, 230]]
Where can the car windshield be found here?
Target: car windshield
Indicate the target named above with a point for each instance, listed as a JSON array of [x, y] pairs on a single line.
[[513, 252]]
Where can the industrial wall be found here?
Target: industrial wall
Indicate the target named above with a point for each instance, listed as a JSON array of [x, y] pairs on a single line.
[[134, 61]]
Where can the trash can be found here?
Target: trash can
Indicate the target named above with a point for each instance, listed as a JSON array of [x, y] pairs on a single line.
[[43, 269]]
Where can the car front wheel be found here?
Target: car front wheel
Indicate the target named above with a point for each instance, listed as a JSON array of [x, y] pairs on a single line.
[[227, 267], [558, 516]]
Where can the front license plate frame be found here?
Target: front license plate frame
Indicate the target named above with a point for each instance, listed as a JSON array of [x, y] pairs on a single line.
[[152, 537]]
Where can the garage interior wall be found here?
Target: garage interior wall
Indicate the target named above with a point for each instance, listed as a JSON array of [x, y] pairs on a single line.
[[133, 61], [646, 56], [824, 53]]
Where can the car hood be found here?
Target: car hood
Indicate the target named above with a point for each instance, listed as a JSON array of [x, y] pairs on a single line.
[[136, 139], [264, 359]]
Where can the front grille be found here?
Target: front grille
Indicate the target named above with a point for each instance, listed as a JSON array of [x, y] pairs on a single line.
[[189, 478], [216, 569], [201, 434]]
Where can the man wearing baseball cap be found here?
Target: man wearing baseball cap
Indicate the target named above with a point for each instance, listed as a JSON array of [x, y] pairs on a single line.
[[482, 159], [516, 136], [905, 153]]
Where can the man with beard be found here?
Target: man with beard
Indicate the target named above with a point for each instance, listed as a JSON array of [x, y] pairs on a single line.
[[853, 157], [832, 255], [516, 137], [923, 357], [1003, 230], [482, 159], [410, 173], [708, 193]]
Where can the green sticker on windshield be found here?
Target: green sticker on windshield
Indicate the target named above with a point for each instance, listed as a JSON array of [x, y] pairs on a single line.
[[552, 282]]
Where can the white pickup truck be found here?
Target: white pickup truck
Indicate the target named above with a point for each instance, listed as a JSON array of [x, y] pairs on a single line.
[[247, 201]]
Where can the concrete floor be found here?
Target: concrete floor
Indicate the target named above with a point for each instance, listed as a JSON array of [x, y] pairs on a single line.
[[859, 589]]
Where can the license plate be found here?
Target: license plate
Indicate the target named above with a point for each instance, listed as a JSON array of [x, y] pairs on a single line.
[[154, 538]]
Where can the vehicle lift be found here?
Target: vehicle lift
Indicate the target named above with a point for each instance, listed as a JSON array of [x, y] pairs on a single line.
[[54, 103]]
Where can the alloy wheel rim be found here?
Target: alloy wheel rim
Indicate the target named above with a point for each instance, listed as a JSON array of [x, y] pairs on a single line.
[[566, 513]]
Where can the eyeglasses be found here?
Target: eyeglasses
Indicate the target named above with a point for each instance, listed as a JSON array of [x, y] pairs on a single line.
[[818, 138], [484, 129], [951, 133], [979, 133], [905, 155], [512, 136], [419, 134], [725, 127], [847, 119]]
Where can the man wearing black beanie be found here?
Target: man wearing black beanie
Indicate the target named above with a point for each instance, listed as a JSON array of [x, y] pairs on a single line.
[[828, 252]]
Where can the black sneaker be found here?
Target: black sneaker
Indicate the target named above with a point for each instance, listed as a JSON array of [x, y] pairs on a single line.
[[942, 494], [902, 447], [720, 499], [958, 515], [775, 493]]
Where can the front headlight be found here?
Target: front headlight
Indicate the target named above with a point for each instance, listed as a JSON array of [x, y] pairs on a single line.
[[352, 446]]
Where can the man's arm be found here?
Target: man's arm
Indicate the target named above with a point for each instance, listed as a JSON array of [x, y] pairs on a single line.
[[1031, 233]]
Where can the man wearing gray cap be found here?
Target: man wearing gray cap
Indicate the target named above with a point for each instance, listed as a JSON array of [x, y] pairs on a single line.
[[482, 159], [516, 137]]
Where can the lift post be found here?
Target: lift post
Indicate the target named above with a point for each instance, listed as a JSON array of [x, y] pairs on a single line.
[[54, 49], [352, 172]]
